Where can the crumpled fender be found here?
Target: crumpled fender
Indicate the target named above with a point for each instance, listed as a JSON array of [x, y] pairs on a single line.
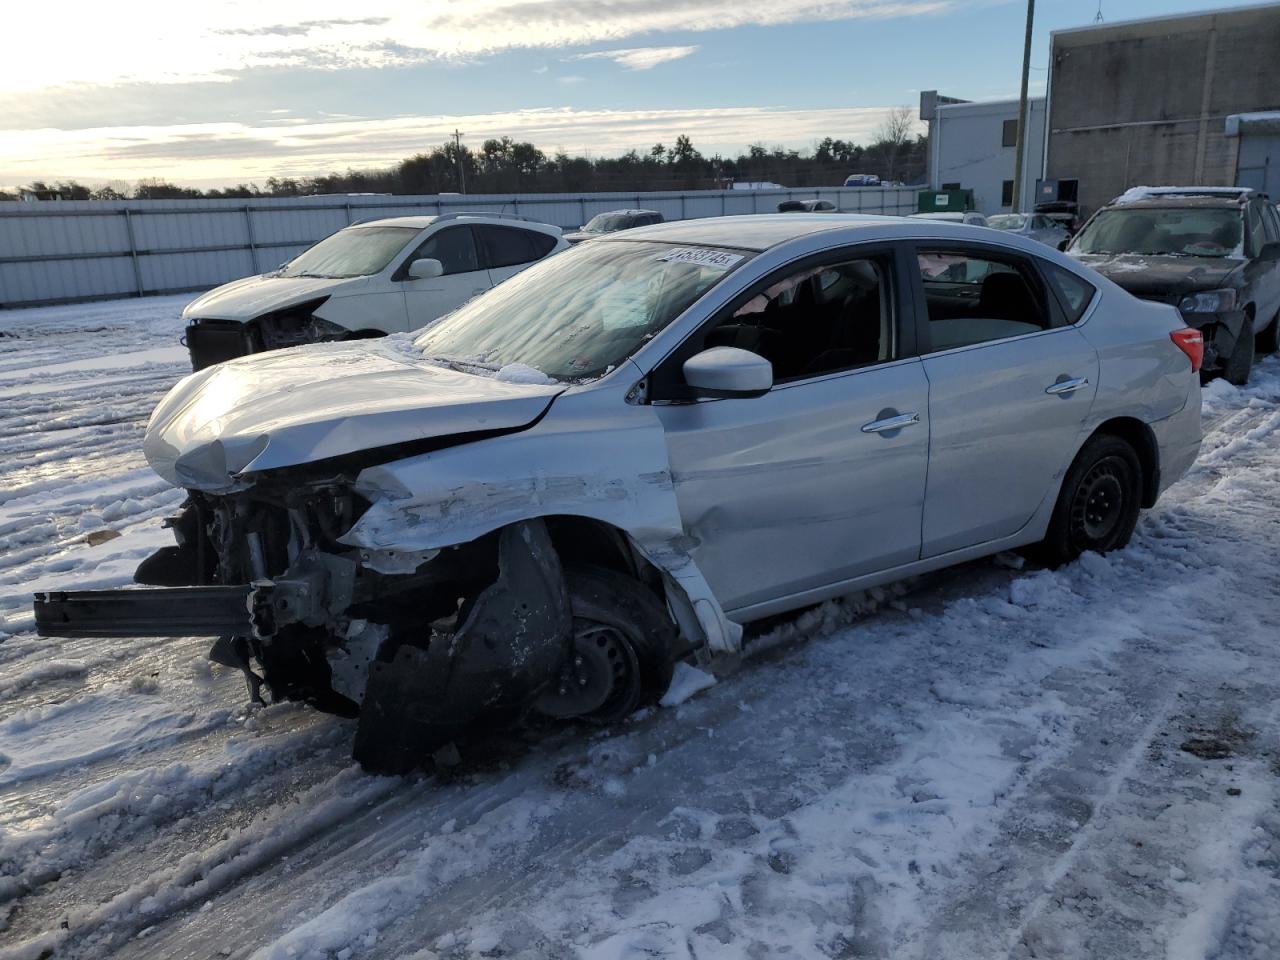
[[588, 457]]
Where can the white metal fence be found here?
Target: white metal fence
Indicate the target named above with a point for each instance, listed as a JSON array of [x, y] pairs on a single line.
[[66, 251]]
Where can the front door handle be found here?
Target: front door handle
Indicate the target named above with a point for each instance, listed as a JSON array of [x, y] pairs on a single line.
[[891, 423], [1066, 386]]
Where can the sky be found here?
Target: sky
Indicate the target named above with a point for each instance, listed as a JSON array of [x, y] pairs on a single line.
[[228, 91]]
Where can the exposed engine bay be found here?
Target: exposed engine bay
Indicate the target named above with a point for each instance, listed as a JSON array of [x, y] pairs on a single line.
[[421, 647]]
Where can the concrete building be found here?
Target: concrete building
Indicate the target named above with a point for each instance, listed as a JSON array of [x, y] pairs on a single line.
[[1147, 102], [971, 146], [1257, 137]]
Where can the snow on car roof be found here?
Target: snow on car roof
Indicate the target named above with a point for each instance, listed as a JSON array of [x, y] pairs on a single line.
[[1138, 194], [752, 231]]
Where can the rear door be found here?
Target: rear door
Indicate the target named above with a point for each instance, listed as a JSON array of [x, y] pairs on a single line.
[[426, 300], [508, 250], [1011, 384]]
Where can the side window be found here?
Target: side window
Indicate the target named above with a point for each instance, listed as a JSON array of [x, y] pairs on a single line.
[[977, 297], [1074, 292], [1271, 221], [816, 320], [509, 246], [1257, 233], [454, 247]]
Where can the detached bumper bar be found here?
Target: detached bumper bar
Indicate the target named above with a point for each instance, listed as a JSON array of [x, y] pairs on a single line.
[[149, 612]]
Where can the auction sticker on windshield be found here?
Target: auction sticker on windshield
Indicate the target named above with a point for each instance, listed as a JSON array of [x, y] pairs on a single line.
[[703, 258]]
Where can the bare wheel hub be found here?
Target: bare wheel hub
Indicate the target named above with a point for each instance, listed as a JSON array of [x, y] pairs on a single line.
[[601, 676]]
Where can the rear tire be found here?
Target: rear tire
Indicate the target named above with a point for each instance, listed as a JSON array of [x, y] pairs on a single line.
[[1098, 504], [1240, 363], [1267, 341], [623, 638]]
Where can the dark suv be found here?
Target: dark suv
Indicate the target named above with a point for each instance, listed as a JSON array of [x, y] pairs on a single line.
[[1213, 252]]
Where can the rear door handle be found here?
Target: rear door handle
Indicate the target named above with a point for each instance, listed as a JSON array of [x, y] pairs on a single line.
[[891, 423], [1066, 386]]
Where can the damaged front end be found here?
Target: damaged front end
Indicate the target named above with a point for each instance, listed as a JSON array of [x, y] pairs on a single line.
[[420, 646], [211, 340]]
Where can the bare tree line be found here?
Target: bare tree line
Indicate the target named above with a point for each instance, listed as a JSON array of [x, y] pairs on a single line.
[[504, 165]]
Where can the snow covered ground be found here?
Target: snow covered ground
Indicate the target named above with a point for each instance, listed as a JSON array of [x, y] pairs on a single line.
[[996, 762]]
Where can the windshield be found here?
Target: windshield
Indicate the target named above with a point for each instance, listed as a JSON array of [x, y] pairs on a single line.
[[579, 314], [353, 252], [608, 222], [1171, 231], [1007, 221]]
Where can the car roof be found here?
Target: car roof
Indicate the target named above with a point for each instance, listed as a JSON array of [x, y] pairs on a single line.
[[758, 231], [1184, 197], [630, 212], [422, 221]]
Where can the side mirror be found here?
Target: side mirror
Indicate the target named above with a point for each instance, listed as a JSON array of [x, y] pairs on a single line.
[[1270, 250], [1064, 243], [728, 372], [425, 269]]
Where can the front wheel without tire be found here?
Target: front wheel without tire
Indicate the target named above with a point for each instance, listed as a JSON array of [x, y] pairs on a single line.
[[621, 652], [1240, 363], [1098, 504], [1267, 341]]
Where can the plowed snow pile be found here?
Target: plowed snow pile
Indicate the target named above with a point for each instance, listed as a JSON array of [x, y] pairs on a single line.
[[997, 763]]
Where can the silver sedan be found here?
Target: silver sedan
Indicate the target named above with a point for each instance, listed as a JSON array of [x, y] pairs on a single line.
[[1033, 226], [624, 453]]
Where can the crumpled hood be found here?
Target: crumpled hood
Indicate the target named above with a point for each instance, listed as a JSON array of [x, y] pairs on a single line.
[[296, 406], [251, 297], [1167, 278]]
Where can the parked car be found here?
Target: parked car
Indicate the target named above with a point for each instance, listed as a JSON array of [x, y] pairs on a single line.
[[1213, 252], [807, 206], [613, 221], [970, 217], [1034, 226], [366, 280], [622, 455], [862, 180]]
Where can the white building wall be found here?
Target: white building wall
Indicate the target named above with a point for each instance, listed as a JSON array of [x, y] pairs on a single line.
[[966, 148]]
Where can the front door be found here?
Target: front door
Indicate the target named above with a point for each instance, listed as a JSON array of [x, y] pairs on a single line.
[[463, 278], [1010, 387], [822, 479]]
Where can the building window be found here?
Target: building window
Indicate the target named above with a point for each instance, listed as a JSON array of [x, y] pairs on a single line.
[[1006, 193], [951, 186], [1009, 134]]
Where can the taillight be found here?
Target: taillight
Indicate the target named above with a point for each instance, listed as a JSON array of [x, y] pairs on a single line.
[[1190, 342]]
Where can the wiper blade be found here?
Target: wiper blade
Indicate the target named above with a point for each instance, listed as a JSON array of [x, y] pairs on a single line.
[[463, 365]]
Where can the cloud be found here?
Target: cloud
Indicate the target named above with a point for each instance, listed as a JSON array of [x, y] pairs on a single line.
[[301, 29], [570, 78], [640, 58], [142, 41], [216, 154]]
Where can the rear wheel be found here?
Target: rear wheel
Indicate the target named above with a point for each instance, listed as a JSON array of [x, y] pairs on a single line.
[[1240, 363], [1098, 505], [1267, 341], [622, 644]]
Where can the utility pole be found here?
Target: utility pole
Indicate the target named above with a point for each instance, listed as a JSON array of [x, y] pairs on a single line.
[[1021, 139], [462, 168]]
